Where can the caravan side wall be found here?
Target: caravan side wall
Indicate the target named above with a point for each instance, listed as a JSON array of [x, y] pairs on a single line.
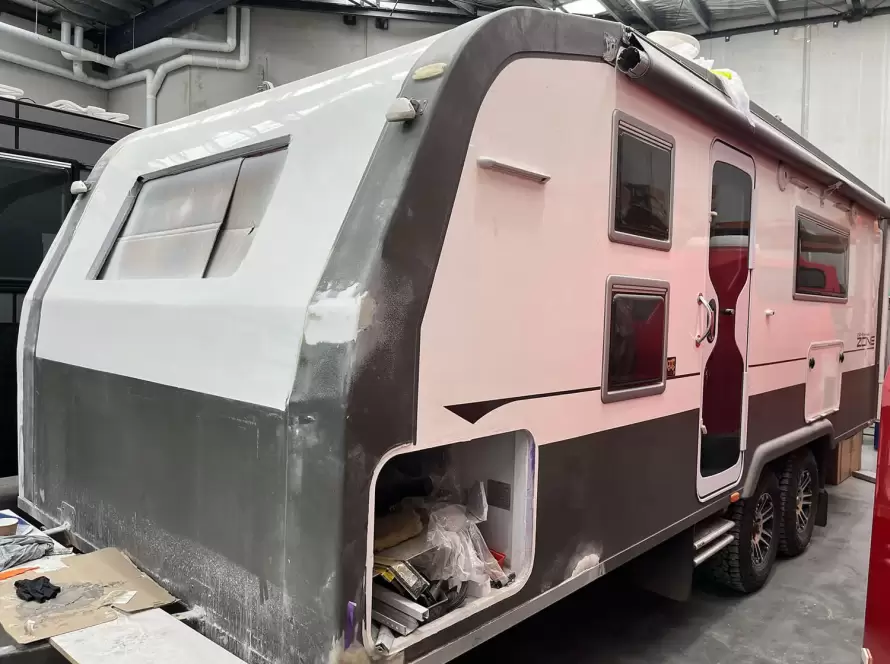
[[513, 335]]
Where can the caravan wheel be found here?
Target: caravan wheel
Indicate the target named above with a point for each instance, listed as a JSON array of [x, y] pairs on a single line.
[[746, 563], [799, 484]]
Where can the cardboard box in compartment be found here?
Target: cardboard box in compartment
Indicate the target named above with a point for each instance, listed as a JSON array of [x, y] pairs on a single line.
[[846, 459]]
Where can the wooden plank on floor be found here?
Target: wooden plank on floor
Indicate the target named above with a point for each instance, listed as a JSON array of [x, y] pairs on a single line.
[[149, 637]]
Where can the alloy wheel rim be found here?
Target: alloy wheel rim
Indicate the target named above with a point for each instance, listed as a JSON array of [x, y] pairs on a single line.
[[762, 536], [804, 504]]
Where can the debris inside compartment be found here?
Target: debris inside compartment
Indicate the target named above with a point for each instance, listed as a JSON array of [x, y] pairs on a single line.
[[429, 553]]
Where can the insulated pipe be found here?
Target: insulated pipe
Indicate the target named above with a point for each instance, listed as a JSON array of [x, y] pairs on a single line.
[[49, 42], [226, 46], [78, 42], [66, 38], [239, 64], [153, 80], [145, 75]]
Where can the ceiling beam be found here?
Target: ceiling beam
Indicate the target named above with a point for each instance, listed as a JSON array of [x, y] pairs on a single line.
[[702, 14], [644, 13], [465, 7], [772, 6], [160, 21], [618, 13], [390, 9]]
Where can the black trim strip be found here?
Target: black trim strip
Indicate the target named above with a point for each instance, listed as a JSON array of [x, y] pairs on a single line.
[[474, 411], [769, 364], [856, 350]]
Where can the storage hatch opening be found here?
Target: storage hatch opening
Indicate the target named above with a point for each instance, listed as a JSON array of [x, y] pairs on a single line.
[[452, 533]]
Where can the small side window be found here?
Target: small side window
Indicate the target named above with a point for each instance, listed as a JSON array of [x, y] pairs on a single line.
[[194, 224], [643, 185], [823, 260], [635, 357]]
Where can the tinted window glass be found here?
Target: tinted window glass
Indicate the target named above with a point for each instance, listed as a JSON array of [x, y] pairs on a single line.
[[34, 199], [823, 255], [731, 191], [643, 196], [636, 341]]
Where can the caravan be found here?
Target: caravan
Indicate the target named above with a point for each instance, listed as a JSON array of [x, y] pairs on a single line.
[[532, 291]]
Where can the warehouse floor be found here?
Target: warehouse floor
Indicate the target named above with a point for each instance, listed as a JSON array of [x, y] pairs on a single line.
[[811, 611]]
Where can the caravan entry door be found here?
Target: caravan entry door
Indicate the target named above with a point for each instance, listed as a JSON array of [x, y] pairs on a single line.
[[725, 346]]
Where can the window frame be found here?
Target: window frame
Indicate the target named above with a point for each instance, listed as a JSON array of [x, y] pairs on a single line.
[[123, 214], [658, 139], [834, 227], [616, 285]]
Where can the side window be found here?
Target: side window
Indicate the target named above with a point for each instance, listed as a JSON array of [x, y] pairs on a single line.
[[823, 260], [194, 224], [643, 185], [635, 357]]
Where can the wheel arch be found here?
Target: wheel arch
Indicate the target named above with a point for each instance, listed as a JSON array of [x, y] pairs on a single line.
[[819, 434]]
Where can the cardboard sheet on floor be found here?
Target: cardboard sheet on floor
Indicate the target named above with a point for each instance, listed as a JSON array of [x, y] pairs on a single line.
[[95, 588], [150, 637]]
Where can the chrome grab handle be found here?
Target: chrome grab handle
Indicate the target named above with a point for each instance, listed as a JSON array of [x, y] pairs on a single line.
[[700, 338]]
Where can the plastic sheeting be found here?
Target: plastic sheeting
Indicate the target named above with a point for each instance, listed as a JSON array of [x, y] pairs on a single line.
[[18, 549], [459, 552]]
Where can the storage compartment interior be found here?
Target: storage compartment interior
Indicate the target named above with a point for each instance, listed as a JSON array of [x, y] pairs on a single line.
[[452, 534]]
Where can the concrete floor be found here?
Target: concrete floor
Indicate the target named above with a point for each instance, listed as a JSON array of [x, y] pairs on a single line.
[[810, 612]]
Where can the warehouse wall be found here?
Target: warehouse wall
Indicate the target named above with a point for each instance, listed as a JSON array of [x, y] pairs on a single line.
[[831, 84], [43, 88], [285, 46]]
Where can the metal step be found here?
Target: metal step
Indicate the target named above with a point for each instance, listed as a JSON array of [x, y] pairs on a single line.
[[722, 543], [708, 531]]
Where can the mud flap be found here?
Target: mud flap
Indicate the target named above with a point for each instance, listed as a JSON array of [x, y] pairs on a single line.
[[822, 508], [667, 569]]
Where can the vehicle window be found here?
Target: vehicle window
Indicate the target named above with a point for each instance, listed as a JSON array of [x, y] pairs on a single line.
[[34, 200], [823, 260], [194, 224], [643, 192], [636, 341]]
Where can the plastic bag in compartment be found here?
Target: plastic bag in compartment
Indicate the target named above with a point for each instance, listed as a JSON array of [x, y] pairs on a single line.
[[459, 553]]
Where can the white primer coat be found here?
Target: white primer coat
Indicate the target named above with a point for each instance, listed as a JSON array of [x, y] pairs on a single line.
[[334, 318], [232, 337]]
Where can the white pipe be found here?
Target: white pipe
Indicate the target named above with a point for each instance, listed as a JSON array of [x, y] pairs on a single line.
[[153, 80], [78, 42], [239, 64], [55, 44], [226, 46], [47, 68], [66, 38]]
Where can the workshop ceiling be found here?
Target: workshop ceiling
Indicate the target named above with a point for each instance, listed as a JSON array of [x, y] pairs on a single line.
[[123, 24]]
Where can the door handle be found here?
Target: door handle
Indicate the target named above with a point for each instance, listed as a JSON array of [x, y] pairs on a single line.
[[709, 313]]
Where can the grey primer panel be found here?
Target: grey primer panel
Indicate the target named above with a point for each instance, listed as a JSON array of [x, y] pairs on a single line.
[[308, 481], [191, 486]]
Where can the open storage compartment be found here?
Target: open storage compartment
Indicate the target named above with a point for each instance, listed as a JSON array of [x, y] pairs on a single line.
[[452, 533]]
